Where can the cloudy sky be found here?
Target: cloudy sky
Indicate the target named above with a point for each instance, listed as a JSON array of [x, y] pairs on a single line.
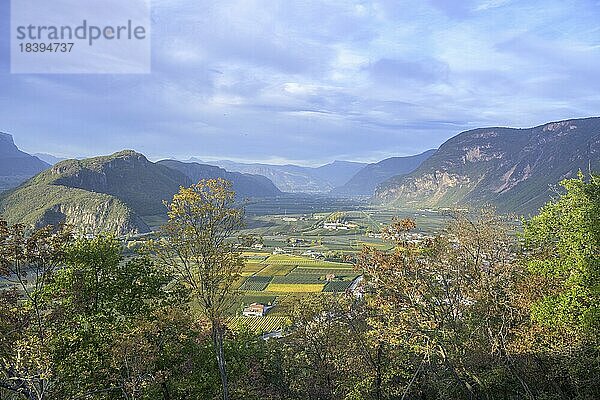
[[313, 81]]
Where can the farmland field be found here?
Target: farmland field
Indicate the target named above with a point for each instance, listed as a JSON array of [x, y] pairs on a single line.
[[275, 270], [256, 283], [284, 259], [298, 279], [337, 286], [298, 253], [295, 287], [258, 325], [251, 266], [325, 271], [249, 297]]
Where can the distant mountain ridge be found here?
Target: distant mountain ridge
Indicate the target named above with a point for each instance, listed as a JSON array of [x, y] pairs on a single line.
[[16, 166], [243, 184], [49, 158], [294, 178], [115, 193], [338, 172], [364, 182], [511, 168]]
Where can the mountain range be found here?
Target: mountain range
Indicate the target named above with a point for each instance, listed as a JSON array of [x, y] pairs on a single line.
[[119, 193], [364, 182], [245, 185], [16, 166], [295, 178], [513, 169], [49, 158]]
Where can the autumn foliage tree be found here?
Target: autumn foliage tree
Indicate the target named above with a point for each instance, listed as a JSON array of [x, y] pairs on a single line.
[[28, 261], [196, 244], [443, 306]]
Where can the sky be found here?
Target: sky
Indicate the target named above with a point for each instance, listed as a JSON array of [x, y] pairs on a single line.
[[309, 82]]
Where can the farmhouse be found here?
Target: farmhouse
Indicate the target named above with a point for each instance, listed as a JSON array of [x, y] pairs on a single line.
[[334, 226], [313, 254], [256, 310]]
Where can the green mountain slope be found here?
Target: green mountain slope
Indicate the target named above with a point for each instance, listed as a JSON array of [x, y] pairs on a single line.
[[16, 166], [115, 193], [126, 175], [515, 169], [89, 212], [109, 193], [364, 182]]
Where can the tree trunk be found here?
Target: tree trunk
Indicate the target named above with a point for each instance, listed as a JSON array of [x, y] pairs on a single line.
[[165, 391], [378, 379], [217, 336]]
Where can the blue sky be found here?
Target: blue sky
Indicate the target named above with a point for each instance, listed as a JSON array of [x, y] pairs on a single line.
[[310, 82]]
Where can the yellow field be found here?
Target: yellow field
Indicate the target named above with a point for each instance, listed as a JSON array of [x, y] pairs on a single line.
[[254, 254], [253, 266], [294, 288]]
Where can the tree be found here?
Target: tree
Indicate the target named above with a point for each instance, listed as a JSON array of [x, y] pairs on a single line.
[[442, 306], [196, 245], [28, 261], [97, 299], [562, 291], [319, 347], [564, 240]]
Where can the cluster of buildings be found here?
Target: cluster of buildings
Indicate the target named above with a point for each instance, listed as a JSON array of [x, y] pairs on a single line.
[[335, 226], [313, 254]]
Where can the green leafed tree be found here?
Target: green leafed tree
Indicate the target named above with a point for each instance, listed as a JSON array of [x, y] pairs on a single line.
[[96, 298], [564, 241]]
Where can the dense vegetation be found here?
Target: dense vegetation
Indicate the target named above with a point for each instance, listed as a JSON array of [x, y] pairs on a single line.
[[474, 313]]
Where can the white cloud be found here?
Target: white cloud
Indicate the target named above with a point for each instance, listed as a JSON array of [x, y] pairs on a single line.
[[317, 80]]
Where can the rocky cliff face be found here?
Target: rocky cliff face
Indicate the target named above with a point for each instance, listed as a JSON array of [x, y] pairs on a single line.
[[513, 169], [89, 212], [109, 215]]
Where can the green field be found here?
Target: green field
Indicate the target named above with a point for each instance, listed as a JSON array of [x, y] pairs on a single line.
[[337, 286], [276, 270], [255, 283]]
